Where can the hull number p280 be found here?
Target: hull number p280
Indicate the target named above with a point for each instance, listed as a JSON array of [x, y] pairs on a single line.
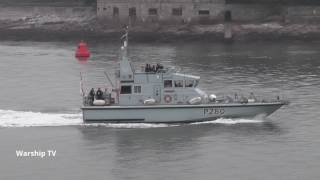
[[213, 111]]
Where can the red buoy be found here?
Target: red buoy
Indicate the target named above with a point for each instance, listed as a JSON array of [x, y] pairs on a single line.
[[82, 53]]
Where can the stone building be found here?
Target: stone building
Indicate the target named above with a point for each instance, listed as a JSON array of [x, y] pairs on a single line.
[[164, 11], [206, 11]]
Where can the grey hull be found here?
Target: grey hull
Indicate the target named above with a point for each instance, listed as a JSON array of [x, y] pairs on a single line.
[[176, 113]]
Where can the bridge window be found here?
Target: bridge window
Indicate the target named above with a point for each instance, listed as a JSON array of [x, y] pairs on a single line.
[[178, 83], [189, 83], [137, 89], [177, 11], [167, 84], [204, 12], [125, 90], [153, 11]]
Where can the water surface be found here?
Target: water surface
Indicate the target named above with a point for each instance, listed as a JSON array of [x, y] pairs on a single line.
[[39, 110]]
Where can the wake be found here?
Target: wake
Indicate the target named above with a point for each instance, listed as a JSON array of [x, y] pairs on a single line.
[[10, 118], [230, 121]]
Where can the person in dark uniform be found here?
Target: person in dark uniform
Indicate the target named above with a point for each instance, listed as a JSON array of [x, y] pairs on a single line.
[[99, 94], [91, 96], [146, 68]]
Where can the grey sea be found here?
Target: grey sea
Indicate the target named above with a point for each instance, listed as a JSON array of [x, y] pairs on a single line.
[[40, 112]]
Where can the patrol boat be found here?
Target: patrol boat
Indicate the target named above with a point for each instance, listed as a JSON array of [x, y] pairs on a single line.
[[157, 94]]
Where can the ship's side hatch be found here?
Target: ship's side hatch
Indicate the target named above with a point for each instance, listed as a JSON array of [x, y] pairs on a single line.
[[157, 93]]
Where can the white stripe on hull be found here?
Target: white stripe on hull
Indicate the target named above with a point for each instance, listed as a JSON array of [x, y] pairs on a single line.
[[176, 113]]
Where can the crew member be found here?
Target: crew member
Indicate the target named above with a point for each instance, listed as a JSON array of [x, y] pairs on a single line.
[[91, 96], [99, 94], [146, 68]]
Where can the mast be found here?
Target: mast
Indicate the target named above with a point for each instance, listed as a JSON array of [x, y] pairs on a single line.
[[124, 47], [126, 70]]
